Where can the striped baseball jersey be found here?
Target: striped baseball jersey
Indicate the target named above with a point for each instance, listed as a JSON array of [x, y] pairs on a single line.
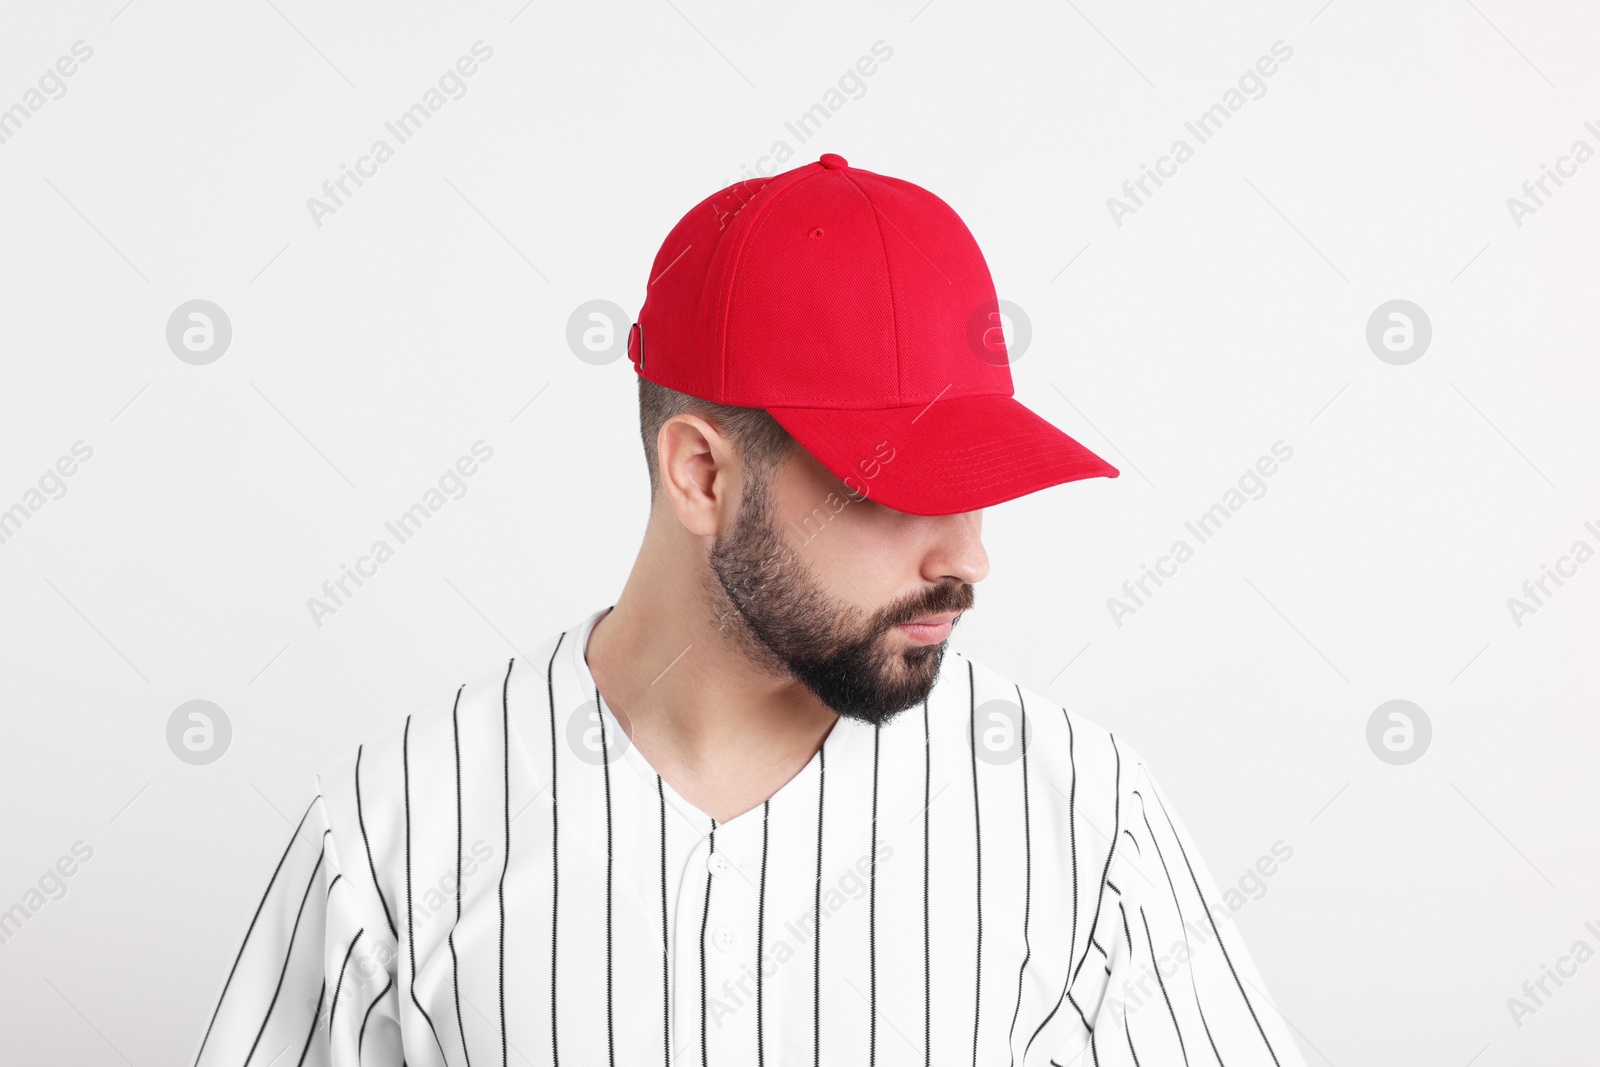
[[985, 879]]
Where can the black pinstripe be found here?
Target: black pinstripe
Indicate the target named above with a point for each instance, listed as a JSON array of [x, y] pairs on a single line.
[[333, 1008], [605, 770], [816, 956], [977, 835], [1215, 932], [312, 1032], [666, 936], [1087, 1025], [505, 756], [1205, 1025], [251, 929], [361, 1038], [1072, 839], [927, 932], [411, 943], [455, 962], [361, 821], [1027, 878], [1163, 984], [1178, 907], [761, 918], [872, 912], [555, 863], [705, 916], [286, 955], [1111, 853]]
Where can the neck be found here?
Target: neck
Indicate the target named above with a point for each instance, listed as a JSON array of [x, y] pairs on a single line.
[[722, 731]]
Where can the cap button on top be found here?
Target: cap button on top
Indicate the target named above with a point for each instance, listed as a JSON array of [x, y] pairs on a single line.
[[833, 162]]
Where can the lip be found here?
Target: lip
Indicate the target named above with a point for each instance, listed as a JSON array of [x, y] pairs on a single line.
[[930, 629]]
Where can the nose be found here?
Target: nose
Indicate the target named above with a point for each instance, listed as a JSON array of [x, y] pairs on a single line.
[[957, 549]]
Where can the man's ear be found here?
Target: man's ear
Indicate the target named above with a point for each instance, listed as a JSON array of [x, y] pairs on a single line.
[[699, 474]]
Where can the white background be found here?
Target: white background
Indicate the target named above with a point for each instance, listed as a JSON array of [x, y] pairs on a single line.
[[1228, 313]]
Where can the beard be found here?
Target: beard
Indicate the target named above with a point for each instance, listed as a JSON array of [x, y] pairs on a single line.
[[769, 604]]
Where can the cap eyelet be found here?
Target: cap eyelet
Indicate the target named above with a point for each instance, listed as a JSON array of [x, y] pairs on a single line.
[[816, 232]]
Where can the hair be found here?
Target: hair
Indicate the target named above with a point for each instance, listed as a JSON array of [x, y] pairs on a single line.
[[760, 440]]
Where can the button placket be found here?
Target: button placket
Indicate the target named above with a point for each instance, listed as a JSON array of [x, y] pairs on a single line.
[[730, 937], [728, 928]]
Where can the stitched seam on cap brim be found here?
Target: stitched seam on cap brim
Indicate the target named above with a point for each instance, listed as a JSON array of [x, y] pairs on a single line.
[[977, 451], [1012, 475], [957, 460], [1009, 485]]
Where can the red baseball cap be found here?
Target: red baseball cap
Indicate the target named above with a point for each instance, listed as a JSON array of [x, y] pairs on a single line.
[[857, 310]]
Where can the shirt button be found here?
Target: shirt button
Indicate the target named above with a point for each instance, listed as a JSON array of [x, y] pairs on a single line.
[[718, 865], [725, 937]]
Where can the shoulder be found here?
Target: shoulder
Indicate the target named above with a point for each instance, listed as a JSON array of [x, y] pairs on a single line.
[[423, 734], [419, 760], [465, 713]]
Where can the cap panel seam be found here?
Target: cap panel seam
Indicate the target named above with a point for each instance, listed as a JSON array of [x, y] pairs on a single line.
[[894, 321], [730, 273]]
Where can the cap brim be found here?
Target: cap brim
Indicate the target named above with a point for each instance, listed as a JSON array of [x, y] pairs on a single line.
[[943, 458]]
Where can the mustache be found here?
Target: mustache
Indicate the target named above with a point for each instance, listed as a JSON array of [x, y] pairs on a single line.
[[954, 596]]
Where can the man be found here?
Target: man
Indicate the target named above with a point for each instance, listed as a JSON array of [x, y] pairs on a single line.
[[753, 812]]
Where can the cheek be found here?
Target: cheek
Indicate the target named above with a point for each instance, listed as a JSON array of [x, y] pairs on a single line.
[[863, 552], [858, 551]]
